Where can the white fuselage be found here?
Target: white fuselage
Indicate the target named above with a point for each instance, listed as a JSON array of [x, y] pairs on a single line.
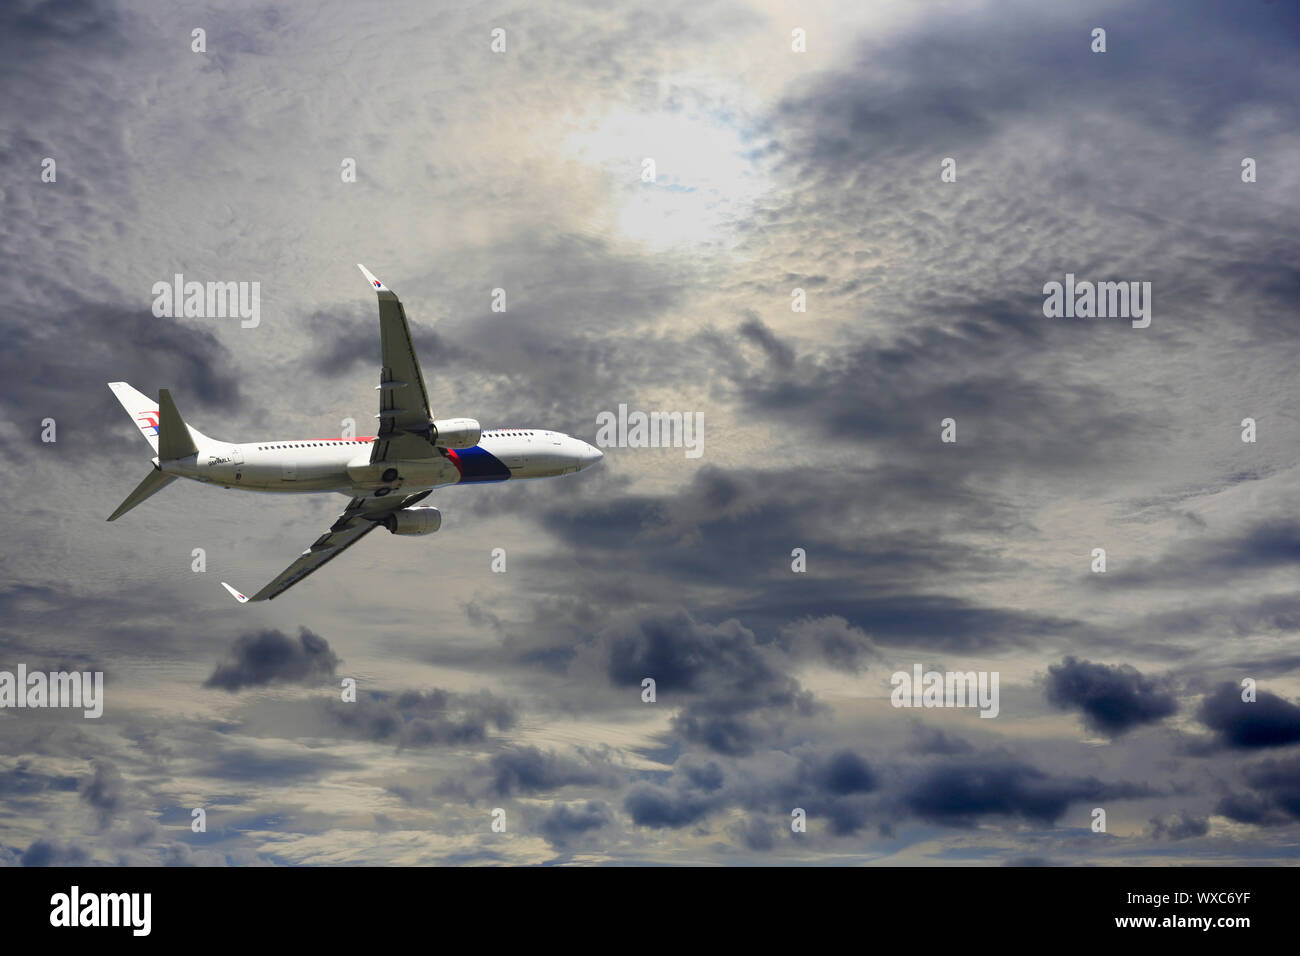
[[343, 465]]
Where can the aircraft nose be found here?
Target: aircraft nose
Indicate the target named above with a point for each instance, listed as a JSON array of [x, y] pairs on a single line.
[[589, 455]]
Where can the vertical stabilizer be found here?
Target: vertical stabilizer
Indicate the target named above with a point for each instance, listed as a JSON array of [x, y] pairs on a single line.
[[174, 439]]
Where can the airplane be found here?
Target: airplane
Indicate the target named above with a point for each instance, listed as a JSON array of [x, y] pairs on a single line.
[[385, 475]]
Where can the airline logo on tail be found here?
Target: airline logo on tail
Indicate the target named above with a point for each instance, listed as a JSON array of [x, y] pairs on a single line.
[[147, 421]]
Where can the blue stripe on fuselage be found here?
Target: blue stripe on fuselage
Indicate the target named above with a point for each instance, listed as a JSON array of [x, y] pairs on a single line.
[[478, 464]]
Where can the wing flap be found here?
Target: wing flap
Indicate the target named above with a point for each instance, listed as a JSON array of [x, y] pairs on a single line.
[[323, 550], [362, 516]]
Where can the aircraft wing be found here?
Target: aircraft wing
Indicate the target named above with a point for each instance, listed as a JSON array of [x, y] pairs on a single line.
[[404, 414], [361, 516]]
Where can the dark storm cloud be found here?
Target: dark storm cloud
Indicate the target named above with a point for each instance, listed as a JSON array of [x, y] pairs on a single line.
[[727, 528], [778, 353], [842, 773], [945, 87], [39, 624], [420, 718], [1279, 613], [45, 852], [734, 734], [1268, 721], [21, 781], [753, 833], [984, 354], [1275, 798], [272, 657], [846, 516], [731, 690], [567, 821], [1179, 826], [252, 765], [527, 770], [961, 794], [85, 347], [833, 785], [1113, 700], [840, 787], [659, 807], [1263, 547], [707, 777], [1254, 809], [105, 792], [886, 393], [30, 28], [685, 656]]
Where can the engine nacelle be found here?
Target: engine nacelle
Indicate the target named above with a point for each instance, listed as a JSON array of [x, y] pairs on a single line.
[[456, 432], [414, 521]]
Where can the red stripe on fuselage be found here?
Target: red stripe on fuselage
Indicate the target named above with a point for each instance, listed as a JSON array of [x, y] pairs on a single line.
[[455, 460]]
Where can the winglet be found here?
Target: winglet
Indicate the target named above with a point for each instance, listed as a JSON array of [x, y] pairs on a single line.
[[374, 283], [241, 598]]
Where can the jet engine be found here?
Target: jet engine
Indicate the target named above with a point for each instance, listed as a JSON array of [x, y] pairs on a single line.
[[414, 521], [455, 432]]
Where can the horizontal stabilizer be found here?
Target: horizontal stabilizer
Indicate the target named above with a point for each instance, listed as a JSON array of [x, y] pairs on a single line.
[[153, 483]]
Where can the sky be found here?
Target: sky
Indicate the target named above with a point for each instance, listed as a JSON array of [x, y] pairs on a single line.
[[915, 173]]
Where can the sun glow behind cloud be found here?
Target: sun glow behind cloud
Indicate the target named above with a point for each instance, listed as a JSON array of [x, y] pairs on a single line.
[[706, 176]]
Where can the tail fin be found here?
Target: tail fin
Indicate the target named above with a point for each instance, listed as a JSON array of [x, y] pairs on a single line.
[[174, 439], [140, 407], [153, 483], [148, 418]]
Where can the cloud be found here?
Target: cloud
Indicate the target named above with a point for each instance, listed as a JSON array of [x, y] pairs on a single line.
[[932, 740], [565, 822], [962, 793], [1268, 721], [1113, 700], [753, 833], [834, 785], [831, 639], [1260, 548], [843, 773], [778, 353], [730, 690], [189, 360], [71, 25], [46, 852], [418, 719], [1276, 796], [1251, 808], [726, 528], [924, 302], [271, 657], [527, 770], [657, 807], [105, 792], [1179, 826]]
